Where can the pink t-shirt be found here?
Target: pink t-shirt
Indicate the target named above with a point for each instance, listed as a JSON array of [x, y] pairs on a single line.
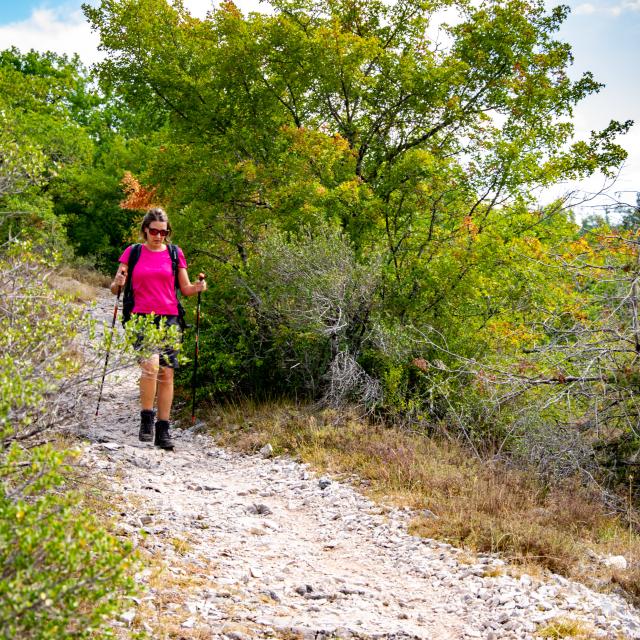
[[153, 281]]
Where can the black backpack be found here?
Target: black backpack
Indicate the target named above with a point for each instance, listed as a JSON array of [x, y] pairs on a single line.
[[127, 298]]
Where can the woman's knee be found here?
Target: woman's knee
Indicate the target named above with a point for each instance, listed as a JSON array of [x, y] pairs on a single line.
[[150, 367], [165, 374]]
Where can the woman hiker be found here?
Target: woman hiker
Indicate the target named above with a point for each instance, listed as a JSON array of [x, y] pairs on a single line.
[[153, 282]]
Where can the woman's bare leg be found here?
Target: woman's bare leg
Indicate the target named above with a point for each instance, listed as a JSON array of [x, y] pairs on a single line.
[[165, 392], [148, 382]]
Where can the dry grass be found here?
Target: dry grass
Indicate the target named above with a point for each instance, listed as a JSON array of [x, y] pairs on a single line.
[[87, 275], [73, 289], [80, 284], [181, 546], [629, 582], [567, 628], [481, 506], [169, 589]]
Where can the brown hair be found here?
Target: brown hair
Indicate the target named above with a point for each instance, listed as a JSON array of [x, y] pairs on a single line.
[[155, 215]]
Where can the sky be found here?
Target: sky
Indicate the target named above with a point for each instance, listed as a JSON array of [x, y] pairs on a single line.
[[604, 35]]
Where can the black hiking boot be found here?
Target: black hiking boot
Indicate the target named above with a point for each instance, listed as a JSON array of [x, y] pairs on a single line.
[[162, 438], [146, 425]]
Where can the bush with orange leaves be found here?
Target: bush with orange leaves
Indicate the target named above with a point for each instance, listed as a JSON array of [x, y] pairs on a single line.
[[138, 198]]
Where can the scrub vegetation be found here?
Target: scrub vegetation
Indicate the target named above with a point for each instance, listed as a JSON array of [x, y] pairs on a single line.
[[62, 574], [359, 182]]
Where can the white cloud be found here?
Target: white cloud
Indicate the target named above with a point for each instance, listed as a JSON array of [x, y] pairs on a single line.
[[53, 30], [199, 8], [615, 10], [584, 9]]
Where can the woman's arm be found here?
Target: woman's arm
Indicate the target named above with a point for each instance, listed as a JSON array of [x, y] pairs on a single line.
[[188, 289], [120, 279]]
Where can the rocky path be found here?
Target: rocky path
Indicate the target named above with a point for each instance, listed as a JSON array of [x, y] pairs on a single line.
[[252, 547]]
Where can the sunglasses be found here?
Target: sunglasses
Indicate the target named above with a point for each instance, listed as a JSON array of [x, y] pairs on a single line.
[[156, 232]]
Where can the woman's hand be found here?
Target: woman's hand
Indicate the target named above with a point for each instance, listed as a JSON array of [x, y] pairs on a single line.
[[201, 285], [188, 288], [119, 280]]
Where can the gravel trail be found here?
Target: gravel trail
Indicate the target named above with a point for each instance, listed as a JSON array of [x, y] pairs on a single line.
[[253, 547]]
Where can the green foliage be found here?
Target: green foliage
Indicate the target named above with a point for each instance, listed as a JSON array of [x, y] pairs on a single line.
[[36, 341], [349, 114], [302, 300], [422, 142], [42, 97], [87, 199], [61, 574], [62, 157]]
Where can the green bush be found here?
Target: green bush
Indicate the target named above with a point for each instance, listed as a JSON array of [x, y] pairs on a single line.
[[313, 307], [61, 574], [276, 326]]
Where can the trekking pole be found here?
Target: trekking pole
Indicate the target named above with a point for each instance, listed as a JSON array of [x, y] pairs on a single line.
[[106, 360], [195, 357]]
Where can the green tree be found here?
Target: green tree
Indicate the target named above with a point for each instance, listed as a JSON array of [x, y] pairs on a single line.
[[421, 140], [45, 98], [65, 147], [87, 198], [631, 215], [42, 97]]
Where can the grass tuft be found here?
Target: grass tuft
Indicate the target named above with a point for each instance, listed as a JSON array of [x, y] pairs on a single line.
[[566, 628]]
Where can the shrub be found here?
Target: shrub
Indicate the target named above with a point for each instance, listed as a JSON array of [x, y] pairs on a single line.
[[293, 322], [61, 574], [314, 302]]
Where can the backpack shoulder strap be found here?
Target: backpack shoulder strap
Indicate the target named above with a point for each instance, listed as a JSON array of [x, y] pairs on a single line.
[[134, 256], [173, 252], [127, 298]]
